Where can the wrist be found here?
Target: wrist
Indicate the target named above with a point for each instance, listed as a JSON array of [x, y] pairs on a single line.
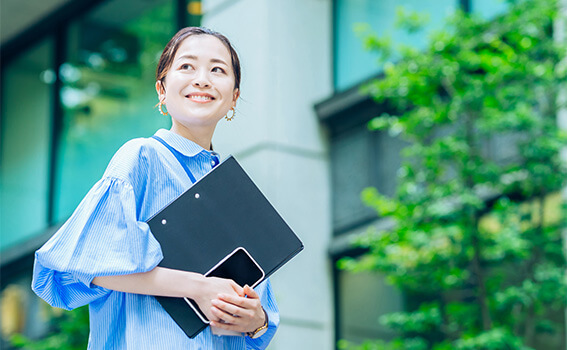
[[194, 284], [258, 332]]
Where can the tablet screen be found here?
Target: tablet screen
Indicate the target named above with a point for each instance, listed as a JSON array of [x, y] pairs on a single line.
[[240, 267]]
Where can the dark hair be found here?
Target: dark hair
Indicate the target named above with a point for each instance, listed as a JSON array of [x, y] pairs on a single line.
[[172, 46]]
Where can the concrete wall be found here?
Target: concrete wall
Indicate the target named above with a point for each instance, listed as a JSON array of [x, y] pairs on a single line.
[[285, 51]]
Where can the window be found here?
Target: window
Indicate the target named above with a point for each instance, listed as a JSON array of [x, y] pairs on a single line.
[[350, 158], [359, 159], [25, 144], [108, 94], [352, 63], [363, 298], [488, 8]]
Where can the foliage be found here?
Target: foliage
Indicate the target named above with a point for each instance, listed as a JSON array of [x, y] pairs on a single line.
[[474, 234], [70, 331]]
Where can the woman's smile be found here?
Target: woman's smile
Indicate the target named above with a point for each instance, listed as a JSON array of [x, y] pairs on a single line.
[[200, 97]]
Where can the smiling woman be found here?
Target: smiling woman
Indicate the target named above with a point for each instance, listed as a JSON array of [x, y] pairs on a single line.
[[199, 85], [105, 254]]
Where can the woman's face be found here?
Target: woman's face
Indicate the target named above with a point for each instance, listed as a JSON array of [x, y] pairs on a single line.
[[199, 86]]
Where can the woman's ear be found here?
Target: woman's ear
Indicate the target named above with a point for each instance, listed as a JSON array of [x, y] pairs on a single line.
[[160, 90], [235, 96]]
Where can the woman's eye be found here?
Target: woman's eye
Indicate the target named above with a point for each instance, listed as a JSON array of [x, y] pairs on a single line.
[[185, 66], [218, 70]]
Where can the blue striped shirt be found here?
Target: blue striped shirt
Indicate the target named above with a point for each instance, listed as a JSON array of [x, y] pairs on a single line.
[[107, 235]]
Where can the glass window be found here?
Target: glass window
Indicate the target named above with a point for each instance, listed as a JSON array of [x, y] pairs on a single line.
[[25, 144], [350, 158], [361, 158], [363, 298], [108, 94], [489, 8], [387, 161], [352, 63]]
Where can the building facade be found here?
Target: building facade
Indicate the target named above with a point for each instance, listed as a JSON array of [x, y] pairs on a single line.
[[78, 82]]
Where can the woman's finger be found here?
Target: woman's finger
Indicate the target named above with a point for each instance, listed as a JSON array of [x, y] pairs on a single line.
[[241, 302], [225, 317], [226, 307], [227, 326], [238, 289], [232, 309], [251, 293]]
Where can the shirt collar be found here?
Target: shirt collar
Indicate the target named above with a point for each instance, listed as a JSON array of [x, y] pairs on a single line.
[[187, 147]]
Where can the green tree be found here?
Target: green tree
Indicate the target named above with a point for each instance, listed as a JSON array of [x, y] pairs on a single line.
[[476, 240]]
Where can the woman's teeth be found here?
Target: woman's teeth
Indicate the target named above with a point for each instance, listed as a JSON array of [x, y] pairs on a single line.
[[200, 98]]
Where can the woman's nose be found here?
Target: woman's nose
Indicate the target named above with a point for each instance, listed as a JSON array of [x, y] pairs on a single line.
[[201, 80]]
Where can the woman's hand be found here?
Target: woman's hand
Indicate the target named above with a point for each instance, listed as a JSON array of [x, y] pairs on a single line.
[[238, 313], [210, 290]]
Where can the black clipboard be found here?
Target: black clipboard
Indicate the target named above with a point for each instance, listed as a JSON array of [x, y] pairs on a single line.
[[222, 211]]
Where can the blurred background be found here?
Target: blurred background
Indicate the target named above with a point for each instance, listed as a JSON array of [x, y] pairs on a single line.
[[77, 81]]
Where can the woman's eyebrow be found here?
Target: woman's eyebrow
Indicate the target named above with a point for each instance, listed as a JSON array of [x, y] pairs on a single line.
[[218, 60], [213, 60]]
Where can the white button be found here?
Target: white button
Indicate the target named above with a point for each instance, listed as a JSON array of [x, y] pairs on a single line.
[[212, 162]]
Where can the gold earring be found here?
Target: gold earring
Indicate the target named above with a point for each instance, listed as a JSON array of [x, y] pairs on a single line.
[[161, 110], [232, 116]]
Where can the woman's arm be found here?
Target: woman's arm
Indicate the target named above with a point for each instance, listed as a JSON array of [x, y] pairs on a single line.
[[173, 283]]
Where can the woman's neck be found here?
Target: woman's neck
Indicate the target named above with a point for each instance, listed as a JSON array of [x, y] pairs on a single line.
[[201, 136]]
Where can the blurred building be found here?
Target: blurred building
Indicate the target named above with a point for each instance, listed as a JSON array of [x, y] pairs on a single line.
[[77, 82]]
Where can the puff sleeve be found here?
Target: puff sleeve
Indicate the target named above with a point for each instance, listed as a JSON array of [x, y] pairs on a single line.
[[103, 237]]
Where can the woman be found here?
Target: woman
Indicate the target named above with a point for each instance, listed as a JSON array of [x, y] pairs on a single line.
[[105, 254]]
